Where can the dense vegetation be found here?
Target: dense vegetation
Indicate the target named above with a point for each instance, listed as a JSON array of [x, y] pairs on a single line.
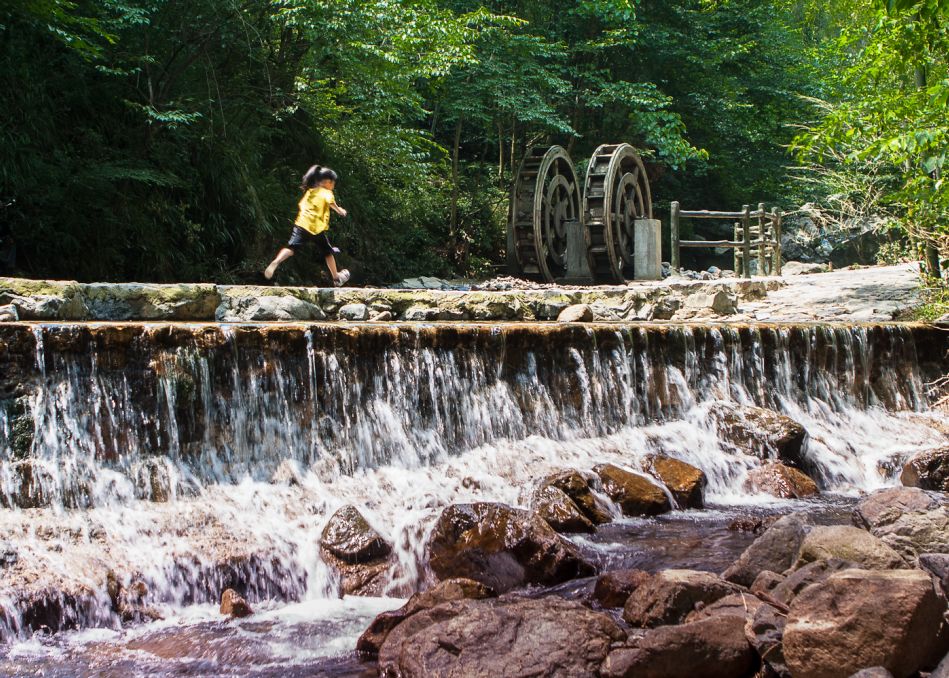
[[165, 139]]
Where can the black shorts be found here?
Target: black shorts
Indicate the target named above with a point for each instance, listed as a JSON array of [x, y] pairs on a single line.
[[300, 237]]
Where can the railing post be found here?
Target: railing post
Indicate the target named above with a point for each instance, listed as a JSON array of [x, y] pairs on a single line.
[[761, 233], [674, 236], [776, 264], [746, 239], [736, 255]]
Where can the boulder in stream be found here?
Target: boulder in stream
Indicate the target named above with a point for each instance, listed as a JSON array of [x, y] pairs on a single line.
[[356, 552], [560, 511], [577, 486], [613, 588], [856, 619], [850, 544], [507, 636], [928, 470], [636, 494], [685, 482], [502, 547], [668, 597], [711, 648], [234, 606], [774, 550], [781, 481], [446, 591], [763, 433]]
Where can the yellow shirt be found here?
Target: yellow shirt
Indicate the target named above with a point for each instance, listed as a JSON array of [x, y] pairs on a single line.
[[314, 215]]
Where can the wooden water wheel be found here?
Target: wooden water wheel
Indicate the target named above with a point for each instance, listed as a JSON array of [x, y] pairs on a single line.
[[615, 194], [545, 198]]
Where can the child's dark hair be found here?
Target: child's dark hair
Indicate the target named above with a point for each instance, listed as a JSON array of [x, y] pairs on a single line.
[[315, 175]]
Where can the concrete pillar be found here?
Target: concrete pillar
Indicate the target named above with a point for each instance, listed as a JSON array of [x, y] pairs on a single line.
[[647, 250]]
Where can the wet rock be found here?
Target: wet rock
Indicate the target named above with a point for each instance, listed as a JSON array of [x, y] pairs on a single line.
[[671, 595], [685, 482], [153, 480], [353, 312], [781, 481], [8, 313], [847, 543], [234, 606], [356, 552], [350, 538], [766, 581], [576, 486], [612, 589], [501, 547], [765, 633], [775, 550], [636, 495], [561, 513], [754, 524], [9, 554], [861, 618], [500, 637], [287, 473], [791, 585], [446, 591], [132, 606], [763, 433], [33, 486], [928, 470], [710, 648], [578, 313]]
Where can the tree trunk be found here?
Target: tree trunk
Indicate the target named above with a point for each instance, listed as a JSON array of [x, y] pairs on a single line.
[[930, 252], [453, 221]]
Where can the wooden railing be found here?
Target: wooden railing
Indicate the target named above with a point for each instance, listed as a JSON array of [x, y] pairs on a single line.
[[756, 230]]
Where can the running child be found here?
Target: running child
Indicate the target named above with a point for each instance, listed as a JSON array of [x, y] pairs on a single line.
[[313, 220]]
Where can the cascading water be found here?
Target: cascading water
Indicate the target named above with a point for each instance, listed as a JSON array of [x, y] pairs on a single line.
[[196, 457]]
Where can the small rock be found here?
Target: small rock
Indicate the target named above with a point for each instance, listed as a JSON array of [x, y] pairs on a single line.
[[798, 580], [936, 564], [754, 524], [578, 313], [735, 605], [801, 268], [613, 588], [860, 618], [233, 605], [637, 495], [848, 543], [576, 486], [381, 317], [763, 433], [420, 314], [8, 313], [671, 595], [685, 482], [781, 481], [354, 312], [766, 581], [350, 538], [665, 308]]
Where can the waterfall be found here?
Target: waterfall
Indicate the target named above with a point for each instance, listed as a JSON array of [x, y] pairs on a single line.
[[193, 456]]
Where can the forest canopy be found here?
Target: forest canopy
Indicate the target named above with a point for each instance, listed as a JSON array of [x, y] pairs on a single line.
[[164, 140]]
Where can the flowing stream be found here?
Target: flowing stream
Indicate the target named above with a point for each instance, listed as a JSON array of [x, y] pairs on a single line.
[[197, 457]]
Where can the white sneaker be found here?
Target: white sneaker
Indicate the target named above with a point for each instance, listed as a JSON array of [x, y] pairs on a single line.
[[342, 277]]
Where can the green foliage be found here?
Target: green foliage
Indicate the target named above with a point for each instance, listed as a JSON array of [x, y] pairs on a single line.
[[164, 140]]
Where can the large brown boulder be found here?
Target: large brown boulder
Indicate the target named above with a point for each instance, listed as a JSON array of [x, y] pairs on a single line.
[[711, 648], [356, 552], [798, 580], [848, 543], [613, 588], [671, 595], [781, 481], [685, 482], [577, 486], [636, 494], [908, 519], [560, 511], [762, 433], [443, 592], [500, 637], [857, 619], [501, 547], [928, 470], [774, 550]]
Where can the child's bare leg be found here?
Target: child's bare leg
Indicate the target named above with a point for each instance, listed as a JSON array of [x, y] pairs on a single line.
[[331, 265], [281, 257]]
